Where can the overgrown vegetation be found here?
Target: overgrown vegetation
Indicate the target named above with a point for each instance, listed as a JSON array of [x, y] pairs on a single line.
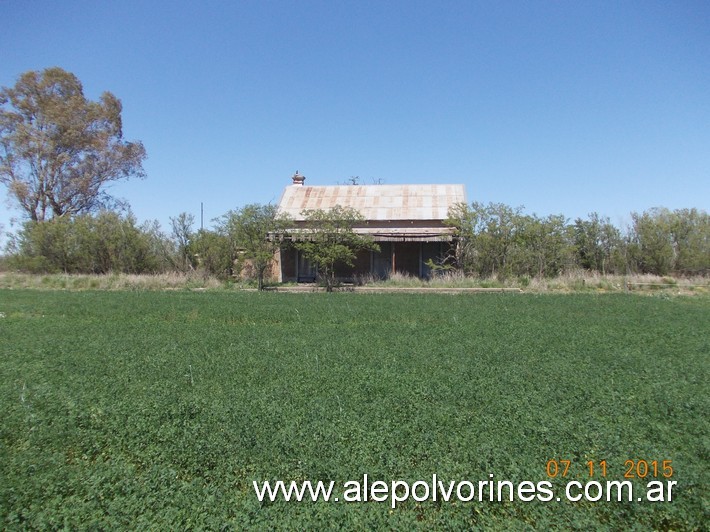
[[117, 281], [158, 410], [579, 281], [106, 242], [497, 240], [574, 281], [256, 233], [328, 238]]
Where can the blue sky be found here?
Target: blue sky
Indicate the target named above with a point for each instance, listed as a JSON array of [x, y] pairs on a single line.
[[563, 107]]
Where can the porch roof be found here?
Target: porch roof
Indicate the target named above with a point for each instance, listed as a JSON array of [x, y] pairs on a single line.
[[408, 234], [393, 234]]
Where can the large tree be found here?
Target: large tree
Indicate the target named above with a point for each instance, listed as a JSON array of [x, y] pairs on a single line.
[[58, 150]]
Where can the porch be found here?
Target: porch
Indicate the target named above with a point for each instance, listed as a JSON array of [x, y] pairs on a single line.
[[408, 258]]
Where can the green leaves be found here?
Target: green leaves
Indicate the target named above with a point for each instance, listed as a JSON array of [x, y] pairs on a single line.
[[58, 150], [106, 242], [495, 239], [256, 233], [664, 241], [328, 238]]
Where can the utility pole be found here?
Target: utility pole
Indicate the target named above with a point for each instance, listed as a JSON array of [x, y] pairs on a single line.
[[202, 216]]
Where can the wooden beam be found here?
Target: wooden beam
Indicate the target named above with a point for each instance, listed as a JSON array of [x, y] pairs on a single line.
[[394, 266]]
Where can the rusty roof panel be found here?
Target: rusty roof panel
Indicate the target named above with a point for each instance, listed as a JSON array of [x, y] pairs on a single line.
[[375, 202]]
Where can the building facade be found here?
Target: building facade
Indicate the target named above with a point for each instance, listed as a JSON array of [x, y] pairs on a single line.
[[407, 222]]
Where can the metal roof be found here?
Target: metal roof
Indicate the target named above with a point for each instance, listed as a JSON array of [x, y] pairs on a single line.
[[375, 202]]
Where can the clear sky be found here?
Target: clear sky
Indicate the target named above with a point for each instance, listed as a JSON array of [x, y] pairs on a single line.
[[563, 107]]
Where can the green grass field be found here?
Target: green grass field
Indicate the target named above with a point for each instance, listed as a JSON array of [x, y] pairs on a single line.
[[159, 409]]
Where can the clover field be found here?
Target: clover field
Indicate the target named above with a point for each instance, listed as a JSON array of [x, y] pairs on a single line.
[[140, 409]]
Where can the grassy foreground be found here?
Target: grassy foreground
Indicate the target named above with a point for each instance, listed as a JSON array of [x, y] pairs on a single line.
[[577, 282], [158, 409]]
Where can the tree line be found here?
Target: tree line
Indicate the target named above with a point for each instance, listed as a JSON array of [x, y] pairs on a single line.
[[243, 244], [499, 240], [491, 240], [60, 150], [114, 242]]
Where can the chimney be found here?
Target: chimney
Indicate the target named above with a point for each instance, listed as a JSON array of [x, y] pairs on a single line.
[[298, 179]]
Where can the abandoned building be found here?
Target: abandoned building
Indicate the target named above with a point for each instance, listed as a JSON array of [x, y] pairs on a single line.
[[407, 221]]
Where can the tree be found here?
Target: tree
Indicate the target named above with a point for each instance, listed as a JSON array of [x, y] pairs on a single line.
[[161, 246], [181, 234], [58, 150], [652, 241], [664, 241], [486, 237], [329, 239], [467, 223], [210, 253], [101, 243], [255, 232], [542, 246], [597, 244], [690, 229]]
